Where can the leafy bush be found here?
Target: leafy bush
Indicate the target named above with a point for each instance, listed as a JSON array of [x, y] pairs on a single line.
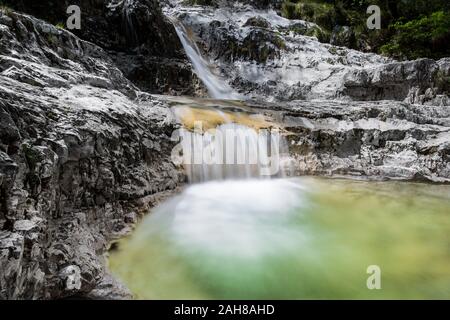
[[410, 28], [428, 36], [60, 25], [321, 13]]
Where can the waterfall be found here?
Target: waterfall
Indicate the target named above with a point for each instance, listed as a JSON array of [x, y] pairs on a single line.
[[128, 22], [228, 150], [126, 7], [217, 87], [232, 148]]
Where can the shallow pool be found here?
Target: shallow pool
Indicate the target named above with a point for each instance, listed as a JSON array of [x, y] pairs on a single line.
[[292, 239]]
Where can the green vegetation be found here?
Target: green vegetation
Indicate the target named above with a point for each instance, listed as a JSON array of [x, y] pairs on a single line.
[[4, 9], [60, 25], [428, 36], [409, 29], [321, 34]]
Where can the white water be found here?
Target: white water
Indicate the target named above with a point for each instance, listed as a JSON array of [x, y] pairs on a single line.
[[217, 87], [233, 151], [238, 218]]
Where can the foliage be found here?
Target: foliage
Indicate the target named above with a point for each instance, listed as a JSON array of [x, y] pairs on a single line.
[[410, 28], [60, 25], [428, 36], [4, 9], [321, 13]]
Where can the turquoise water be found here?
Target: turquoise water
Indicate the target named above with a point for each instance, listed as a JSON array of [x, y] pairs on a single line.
[[291, 239]]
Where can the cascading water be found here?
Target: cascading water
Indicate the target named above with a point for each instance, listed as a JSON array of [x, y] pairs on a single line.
[[126, 8], [128, 21], [217, 87], [218, 144], [233, 149]]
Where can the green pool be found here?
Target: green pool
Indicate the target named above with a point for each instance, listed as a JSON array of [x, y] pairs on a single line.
[[297, 238]]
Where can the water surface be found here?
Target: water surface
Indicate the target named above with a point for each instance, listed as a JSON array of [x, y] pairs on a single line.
[[292, 239]]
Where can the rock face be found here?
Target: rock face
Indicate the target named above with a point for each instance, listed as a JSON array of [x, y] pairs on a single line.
[[265, 56], [375, 140], [135, 34], [418, 82], [82, 155]]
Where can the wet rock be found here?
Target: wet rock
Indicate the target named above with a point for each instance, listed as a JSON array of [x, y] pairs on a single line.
[[80, 150], [27, 225], [9, 133], [413, 81], [110, 289], [134, 33], [72, 277], [173, 76], [6, 20], [11, 254], [375, 140]]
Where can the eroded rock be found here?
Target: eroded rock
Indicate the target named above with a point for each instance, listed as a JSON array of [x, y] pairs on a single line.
[[134, 33], [80, 147]]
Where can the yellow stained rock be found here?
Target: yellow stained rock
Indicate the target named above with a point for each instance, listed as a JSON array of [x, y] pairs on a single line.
[[212, 118]]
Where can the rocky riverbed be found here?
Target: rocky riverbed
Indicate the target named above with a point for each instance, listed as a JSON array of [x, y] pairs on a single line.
[[85, 144]]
